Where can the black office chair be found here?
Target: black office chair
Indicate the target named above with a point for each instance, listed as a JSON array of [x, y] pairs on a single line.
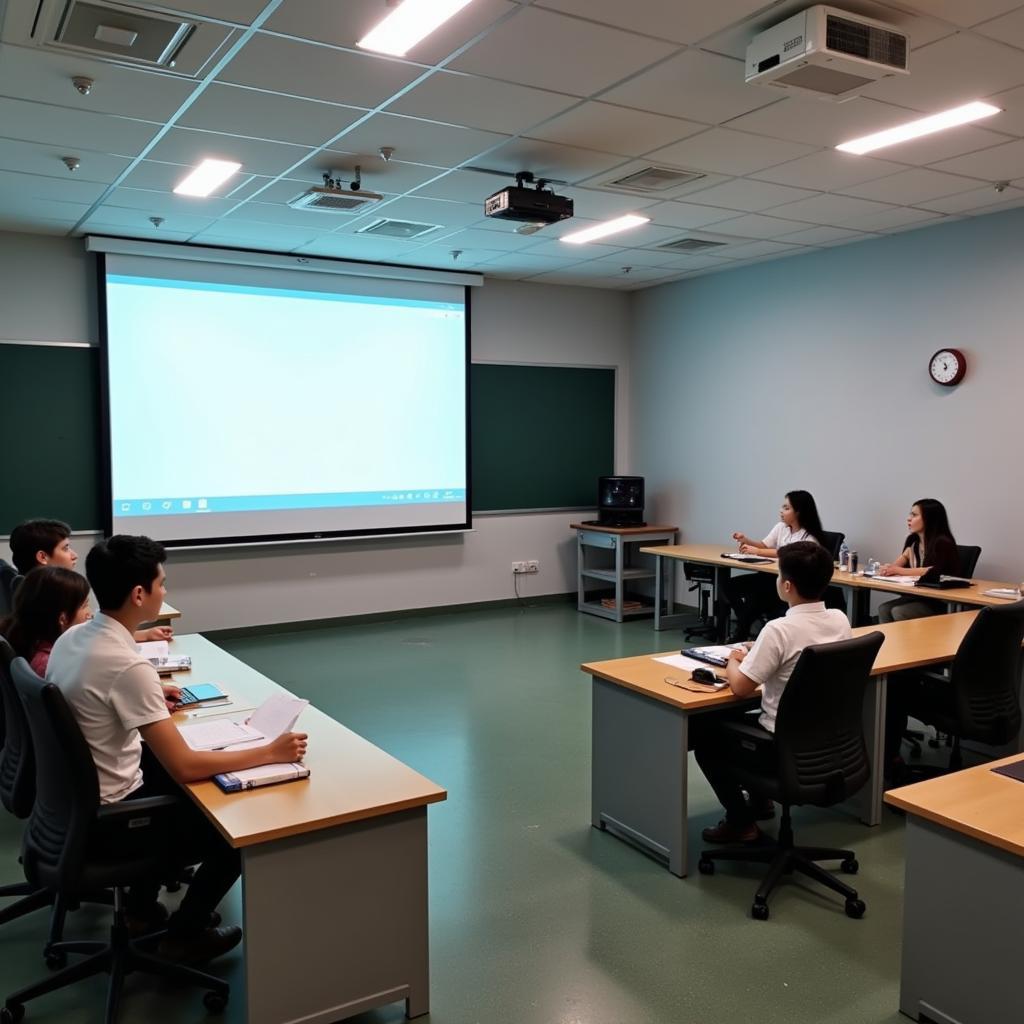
[[968, 555], [9, 580], [75, 845], [980, 700], [820, 759], [703, 579], [832, 542]]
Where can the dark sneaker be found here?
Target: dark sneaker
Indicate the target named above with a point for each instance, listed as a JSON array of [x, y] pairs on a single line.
[[150, 920], [723, 832], [198, 949]]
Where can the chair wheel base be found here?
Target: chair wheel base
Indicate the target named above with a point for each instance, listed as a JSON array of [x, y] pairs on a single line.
[[855, 908], [55, 961], [759, 911], [215, 1002], [850, 866], [12, 1013], [706, 866]]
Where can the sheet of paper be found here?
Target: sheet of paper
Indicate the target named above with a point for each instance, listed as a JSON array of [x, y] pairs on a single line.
[[681, 661], [718, 650], [219, 734], [1010, 593], [154, 649], [903, 581], [276, 715]]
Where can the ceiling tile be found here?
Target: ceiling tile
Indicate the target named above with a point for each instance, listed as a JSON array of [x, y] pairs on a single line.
[[190, 145], [531, 48], [350, 21], [748, 194], [829, 170], [1007, 29], [836, 211], [162, 177], [33, 74], [319, 72], [695, 85], [103, 227], [45, 160], [896, 216], [982, 67], [598, 205], [665, 19], [729, 152], [500, 240], [613, 129], [821, 236], [66, 189], [73, 129], [12, 220], [921, 29], [238, 12], [165, 203], [753, 249], [463, 187], [480, 103], [523, 262], [757, 225], [1000, 163], [654, 257], [820, 123], [234, 110], [1010, 119], [467, 259], [549, 160], [976, 199], [131, 220], [550, 246], [686, 215], [419, 142], [966, 13], [362, 247], [281, 213], [695, 261], [701, 181], [910, 188], [25, 209], [259, 236]]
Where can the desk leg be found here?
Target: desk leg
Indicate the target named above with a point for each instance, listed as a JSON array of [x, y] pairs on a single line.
[[638, 772], [657, 591], [874, 736], [336, 921], [722, 573]]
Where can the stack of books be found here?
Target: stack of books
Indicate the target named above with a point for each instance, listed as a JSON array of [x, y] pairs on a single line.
[[628, 605]]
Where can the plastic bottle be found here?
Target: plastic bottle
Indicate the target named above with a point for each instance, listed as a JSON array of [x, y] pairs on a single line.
[[844, 557]]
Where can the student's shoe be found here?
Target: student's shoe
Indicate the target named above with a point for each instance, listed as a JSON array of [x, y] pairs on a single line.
[[152, 919], [198, 948], [723, 832]]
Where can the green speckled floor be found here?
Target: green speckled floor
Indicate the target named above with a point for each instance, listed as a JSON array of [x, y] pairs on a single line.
[[535, 917]]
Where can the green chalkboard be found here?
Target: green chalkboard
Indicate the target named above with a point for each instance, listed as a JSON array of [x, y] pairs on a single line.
[[541, 435], [50, 426]]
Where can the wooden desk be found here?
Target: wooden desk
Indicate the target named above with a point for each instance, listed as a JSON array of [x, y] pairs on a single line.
[[334, 867], [640, 733], [711, 554], [962, 898]]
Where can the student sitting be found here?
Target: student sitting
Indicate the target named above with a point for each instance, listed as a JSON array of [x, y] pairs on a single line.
[[117, 700], [805, 569], [753, 595], [929, 545], [48, 542], [49, 602]]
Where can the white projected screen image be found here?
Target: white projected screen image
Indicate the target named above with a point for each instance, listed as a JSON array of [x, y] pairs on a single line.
[[251, 404]]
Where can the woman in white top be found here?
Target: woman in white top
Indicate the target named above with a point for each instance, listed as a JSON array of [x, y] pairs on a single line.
[[753, 595]]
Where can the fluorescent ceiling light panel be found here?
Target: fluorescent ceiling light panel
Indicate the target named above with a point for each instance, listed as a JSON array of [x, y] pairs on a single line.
[[206, 177], [609, 227], [925, 126], [410, 22]]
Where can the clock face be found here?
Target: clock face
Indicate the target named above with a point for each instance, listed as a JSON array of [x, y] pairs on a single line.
[[947, 367]]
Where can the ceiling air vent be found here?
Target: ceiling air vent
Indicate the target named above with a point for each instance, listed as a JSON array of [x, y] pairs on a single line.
[[654, 179], [691, 245], [108, 30], [397, 228], [334, 200]]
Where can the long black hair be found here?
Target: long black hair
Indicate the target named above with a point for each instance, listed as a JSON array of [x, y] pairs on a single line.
[[806, 511], [45, 594], [938, 537]]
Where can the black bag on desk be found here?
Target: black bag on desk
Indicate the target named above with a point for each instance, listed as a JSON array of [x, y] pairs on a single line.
[[936, 581]]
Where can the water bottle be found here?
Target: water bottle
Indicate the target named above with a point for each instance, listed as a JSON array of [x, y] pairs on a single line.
[[844, 557], [852, 561]]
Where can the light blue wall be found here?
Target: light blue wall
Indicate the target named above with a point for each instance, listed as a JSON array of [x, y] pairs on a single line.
[[811, 372]]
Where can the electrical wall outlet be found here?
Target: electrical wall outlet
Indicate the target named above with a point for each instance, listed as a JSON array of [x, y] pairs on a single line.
[[533, 565], [518, 568]]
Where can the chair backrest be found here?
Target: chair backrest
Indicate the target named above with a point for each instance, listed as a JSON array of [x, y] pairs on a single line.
[[968, 555], [819, 729], [986, 674], [67, 788], [832, 542], [17, 763], [9, 580]]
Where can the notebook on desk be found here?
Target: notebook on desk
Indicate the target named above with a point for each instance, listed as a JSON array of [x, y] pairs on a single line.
[[938, 581], [716, 654], [747, 559], [1011, 771]]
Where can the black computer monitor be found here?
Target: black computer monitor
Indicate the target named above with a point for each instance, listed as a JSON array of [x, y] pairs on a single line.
[[620, 501]]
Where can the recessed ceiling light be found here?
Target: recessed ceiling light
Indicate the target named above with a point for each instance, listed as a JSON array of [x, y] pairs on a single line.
[[410, 22], [924, 126], [206, 177], [609, 227]]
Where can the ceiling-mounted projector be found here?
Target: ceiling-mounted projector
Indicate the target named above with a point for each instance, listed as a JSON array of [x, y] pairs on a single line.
[[826, 53], [333, 197], [537, 205]]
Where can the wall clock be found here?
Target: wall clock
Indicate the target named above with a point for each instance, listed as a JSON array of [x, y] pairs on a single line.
[[947, 367]]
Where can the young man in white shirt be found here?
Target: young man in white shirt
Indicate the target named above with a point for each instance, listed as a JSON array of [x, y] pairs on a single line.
[[118, 701], [805, 570]]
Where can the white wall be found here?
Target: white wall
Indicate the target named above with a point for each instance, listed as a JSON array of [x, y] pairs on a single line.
[[47, 292], [811, 372]]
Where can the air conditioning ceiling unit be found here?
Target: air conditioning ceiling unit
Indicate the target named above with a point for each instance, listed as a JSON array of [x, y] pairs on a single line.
[[334, 200], [826, 53]]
